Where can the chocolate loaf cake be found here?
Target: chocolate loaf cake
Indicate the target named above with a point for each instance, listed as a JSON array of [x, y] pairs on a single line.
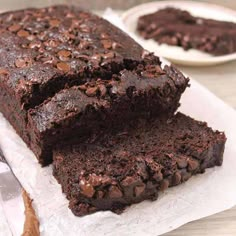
[[111, 172], [64, 72], [179, 28]]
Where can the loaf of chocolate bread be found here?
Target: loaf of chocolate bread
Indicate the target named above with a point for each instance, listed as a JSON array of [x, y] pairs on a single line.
[[66, 73], [177, 27], [110, 172]]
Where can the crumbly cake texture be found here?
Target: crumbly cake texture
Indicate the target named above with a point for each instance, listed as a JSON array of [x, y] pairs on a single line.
[[113, 172], [65, 72], [179, 28]]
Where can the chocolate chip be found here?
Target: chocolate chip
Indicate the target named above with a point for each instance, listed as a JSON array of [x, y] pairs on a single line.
[[116, 45], [75, 23], [9, 17], [141, 169], [167, 172], [192, 165], [41, 50], [145, 53], [25, 18], [150, 185], [182, 163], [94, 180], [138, 190], [152, 71], [208, 47], [99, 194], [108, 55], [70, 15], [107, 43], [42, 36], [169, 121], [104, 36], [84, 28], [92, 91], [4, 71], [23, 33], [186, 38], [147, 74], [164, 184], [84, 45], [114, 192], [112, 83], [153, 166], [128, 181], [54, 23], [213, 39], [48, 60], [64, 58], [35, 45], [51, 43], [80, 209], [159, 70], [96, 57], [105, 180], [82, 87], [199, 21], [173, 40], [14, 28], [176, 179], [185, 175], [84, 58], [178, 35], [92, 209], [31, 37], [63, 66], [103, 90], [24, 85], [58, 160], [86, 189], [23, 62], [158, 176], [64, 55], [69, 36]]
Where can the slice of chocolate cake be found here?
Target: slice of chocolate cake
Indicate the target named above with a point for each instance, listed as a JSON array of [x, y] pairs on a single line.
[[45, 52], [110, 172], [179, 28], [80, 111]]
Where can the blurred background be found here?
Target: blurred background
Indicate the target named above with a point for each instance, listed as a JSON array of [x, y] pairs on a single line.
[[92, 4], [125, 4]]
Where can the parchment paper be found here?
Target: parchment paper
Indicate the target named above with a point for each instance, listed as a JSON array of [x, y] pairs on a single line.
[[201, 196], [4, 226]]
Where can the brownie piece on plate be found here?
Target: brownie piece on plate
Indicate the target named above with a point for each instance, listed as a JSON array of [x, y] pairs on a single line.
[[65, 72], [110, 172], [179, 28]]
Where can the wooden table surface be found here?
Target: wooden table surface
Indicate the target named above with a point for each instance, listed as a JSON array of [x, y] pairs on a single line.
[[221, 80]]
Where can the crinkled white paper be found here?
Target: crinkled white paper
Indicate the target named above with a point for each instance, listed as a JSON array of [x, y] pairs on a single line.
[[4, 227], [201, 196]]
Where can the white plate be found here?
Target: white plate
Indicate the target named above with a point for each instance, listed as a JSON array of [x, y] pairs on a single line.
[[174, 53]]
